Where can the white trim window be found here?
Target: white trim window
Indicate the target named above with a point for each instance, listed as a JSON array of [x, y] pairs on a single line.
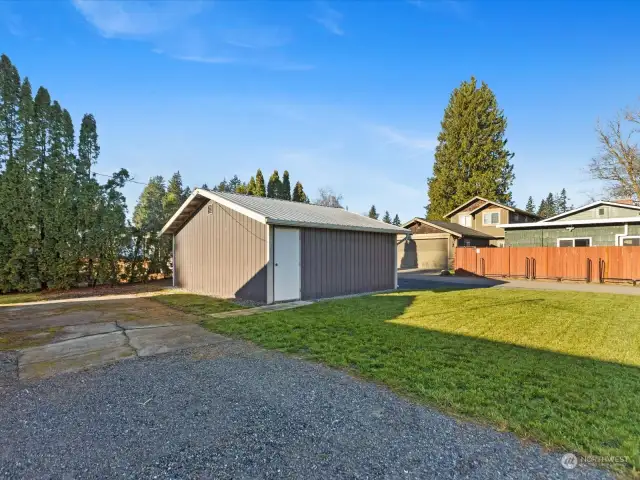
[[465, 220], [491, 218], [574, 242], [630, 241]]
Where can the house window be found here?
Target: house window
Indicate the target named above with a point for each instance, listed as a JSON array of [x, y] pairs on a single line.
[[465, 220], [574, 242], [630, 241], [467, 242], [491, 218], [601, 212]]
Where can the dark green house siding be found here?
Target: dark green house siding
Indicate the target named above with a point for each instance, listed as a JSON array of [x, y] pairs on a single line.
[[601, 235]]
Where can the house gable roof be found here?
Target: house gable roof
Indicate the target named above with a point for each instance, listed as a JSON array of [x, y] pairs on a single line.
[[278, 212], [589, 207], [453, 228], [483, 205]]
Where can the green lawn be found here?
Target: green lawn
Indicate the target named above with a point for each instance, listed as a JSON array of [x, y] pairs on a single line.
[[196, 304], [562, 368]]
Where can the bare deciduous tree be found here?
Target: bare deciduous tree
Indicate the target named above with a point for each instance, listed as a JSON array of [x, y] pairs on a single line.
[[618, 163], [327, 198]]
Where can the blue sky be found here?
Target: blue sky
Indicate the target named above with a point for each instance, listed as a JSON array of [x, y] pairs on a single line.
[[342, 94]]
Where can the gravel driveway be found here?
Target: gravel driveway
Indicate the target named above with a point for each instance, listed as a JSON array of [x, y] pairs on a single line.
[[235, 411]]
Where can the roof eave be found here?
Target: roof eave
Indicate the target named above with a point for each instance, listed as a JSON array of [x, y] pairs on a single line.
[[565, 223], [291, 223]]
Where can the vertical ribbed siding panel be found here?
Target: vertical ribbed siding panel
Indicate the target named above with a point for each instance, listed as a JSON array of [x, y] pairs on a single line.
[[338, 262], [223, 254]]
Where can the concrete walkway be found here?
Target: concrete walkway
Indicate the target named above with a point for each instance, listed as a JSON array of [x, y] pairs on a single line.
[[419, 281], [97, 298]]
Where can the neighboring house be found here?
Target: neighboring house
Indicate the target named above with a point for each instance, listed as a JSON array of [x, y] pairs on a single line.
[[475, 223], [270, 250], [597, 224], [432, 243], [489, 217]]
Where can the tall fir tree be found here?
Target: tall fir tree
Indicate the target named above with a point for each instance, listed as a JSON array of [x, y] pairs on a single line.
[[298, 194], [90, 196], [274, 186], [251, 186], [531, 206], [386, 218], [396, 221], [562, 202], [174, 196], [9, 143], [285, 188], [260, 190], [373, 213], [42, 107], [471, 157]]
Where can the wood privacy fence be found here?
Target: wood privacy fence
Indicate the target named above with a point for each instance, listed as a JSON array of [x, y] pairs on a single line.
[[589, 264]]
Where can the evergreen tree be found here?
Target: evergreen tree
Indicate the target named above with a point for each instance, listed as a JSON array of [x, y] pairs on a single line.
[[551, 205], [90, 198], [223, 186], [251, 186], [173, 197], [205, 186], [396, 221], [285, 188], [298, 194], [562, 202], [234, 183], [373, 213], [471, 157], [259, 190], [148, 214], [531, 206], [386, 217], [543, 210], [9, 138], [42, 106], [274, 186]]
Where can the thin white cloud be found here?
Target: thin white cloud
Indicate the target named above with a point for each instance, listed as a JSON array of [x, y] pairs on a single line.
[[136, 18], [175, 29], [256, 38], [403, 139], [329, 18], [198, 59]]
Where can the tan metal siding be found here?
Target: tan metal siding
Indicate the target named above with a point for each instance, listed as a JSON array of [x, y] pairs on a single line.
[[340, 262], [223, 253]]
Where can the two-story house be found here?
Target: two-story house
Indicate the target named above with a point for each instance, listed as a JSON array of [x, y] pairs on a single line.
[[477, 222]]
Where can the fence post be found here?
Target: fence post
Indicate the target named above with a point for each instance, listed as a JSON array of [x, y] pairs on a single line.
[[588, 278]]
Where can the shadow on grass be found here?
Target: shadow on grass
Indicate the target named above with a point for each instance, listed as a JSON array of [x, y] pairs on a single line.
[[575, 403]]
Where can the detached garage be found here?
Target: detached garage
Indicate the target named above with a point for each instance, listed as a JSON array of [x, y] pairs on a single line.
[[268, 250], [432, 243]]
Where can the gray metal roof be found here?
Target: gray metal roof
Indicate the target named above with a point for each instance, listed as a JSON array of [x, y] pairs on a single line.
[[281, 212], [452, 227], [461, 229]]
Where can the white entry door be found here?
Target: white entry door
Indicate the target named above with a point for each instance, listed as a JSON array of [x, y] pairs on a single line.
[[286, 264]]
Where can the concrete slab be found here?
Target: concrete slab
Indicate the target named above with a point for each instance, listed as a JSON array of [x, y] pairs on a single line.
[[152, 341], [79, 331], [73, 355]]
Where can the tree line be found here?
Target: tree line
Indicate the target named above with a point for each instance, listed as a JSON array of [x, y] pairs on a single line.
[[551, 205], [386, 218], [59, 225], [275, 187]]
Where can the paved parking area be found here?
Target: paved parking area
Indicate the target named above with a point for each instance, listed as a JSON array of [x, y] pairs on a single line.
[[49, 339]]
